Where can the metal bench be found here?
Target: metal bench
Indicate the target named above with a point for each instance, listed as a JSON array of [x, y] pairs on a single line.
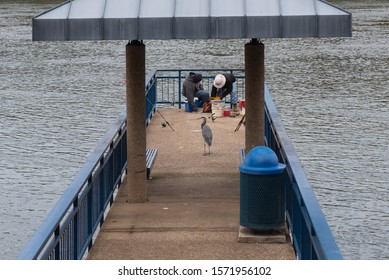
[[151, 155]]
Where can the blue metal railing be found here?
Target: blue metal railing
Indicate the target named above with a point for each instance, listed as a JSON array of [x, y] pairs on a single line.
[[151, 96], [170, 83], [68, 231], [310, 233]]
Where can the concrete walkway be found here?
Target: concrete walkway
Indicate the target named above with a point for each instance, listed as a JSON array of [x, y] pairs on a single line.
[[193, 207]]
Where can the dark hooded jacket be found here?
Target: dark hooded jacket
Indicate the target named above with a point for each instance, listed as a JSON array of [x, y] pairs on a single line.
[[191, 84]]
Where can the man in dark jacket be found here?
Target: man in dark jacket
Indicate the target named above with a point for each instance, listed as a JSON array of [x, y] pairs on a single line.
[[222, 86], [192, 88]]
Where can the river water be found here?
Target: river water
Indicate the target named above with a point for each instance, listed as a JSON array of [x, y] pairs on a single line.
[[59, 98]]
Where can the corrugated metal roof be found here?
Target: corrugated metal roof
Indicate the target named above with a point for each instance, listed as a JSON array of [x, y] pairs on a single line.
[[190, 19]]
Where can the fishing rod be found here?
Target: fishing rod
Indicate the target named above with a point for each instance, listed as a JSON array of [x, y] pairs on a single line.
[[166, 122]]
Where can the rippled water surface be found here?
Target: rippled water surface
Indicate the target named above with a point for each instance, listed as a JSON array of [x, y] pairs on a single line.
[[59, 98]]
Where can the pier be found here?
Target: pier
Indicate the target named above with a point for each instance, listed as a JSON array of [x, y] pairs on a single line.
[[190, 208], [193, 200], [181, 174]]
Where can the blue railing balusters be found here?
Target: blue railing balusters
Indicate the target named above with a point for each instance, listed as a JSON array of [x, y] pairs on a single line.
[[75, 231], [56, 239], [88, 203], [67, 232]]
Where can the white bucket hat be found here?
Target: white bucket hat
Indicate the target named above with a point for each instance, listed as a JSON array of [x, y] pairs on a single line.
[[219, 81]]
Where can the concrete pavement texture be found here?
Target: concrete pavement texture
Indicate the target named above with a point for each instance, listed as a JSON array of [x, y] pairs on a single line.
[[192, 211]]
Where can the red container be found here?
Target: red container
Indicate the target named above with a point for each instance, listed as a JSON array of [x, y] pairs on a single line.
[[242, 104], [227, 113]]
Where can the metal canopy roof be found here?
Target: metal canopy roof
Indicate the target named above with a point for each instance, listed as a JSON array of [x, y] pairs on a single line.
[[190, 19]]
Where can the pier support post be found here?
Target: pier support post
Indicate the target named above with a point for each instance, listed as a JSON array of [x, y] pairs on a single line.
[[255, 94], [136, 126]]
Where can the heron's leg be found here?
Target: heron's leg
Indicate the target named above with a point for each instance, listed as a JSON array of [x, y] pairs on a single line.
[[209, 150]]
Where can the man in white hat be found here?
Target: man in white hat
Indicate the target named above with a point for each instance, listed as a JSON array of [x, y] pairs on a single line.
[[223, 85]]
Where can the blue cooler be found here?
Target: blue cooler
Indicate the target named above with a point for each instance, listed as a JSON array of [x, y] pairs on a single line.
[[188, 108]]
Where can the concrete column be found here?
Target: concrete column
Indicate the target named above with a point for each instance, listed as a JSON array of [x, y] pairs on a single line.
[[254, 87], [136, 125]]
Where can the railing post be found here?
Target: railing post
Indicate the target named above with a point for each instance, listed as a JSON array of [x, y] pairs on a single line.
[[75, 230], [90, 211], [58, 241], [179, 89], [101, 186], [111, 173]]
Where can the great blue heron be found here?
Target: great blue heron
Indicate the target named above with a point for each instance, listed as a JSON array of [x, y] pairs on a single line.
[[207, 135]]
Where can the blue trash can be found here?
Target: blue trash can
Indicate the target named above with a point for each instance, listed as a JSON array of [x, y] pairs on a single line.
[[262, 190]]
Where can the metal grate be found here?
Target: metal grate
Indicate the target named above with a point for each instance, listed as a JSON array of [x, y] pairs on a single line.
[[262, 201]]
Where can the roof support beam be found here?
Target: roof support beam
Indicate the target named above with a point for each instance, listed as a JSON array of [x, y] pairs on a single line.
[[255, 94], [136, 127]]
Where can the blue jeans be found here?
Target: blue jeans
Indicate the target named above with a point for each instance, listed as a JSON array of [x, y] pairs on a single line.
[[203, 96], [234, 95]]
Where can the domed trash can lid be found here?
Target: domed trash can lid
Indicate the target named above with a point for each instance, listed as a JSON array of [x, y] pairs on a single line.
[[261, 160]]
